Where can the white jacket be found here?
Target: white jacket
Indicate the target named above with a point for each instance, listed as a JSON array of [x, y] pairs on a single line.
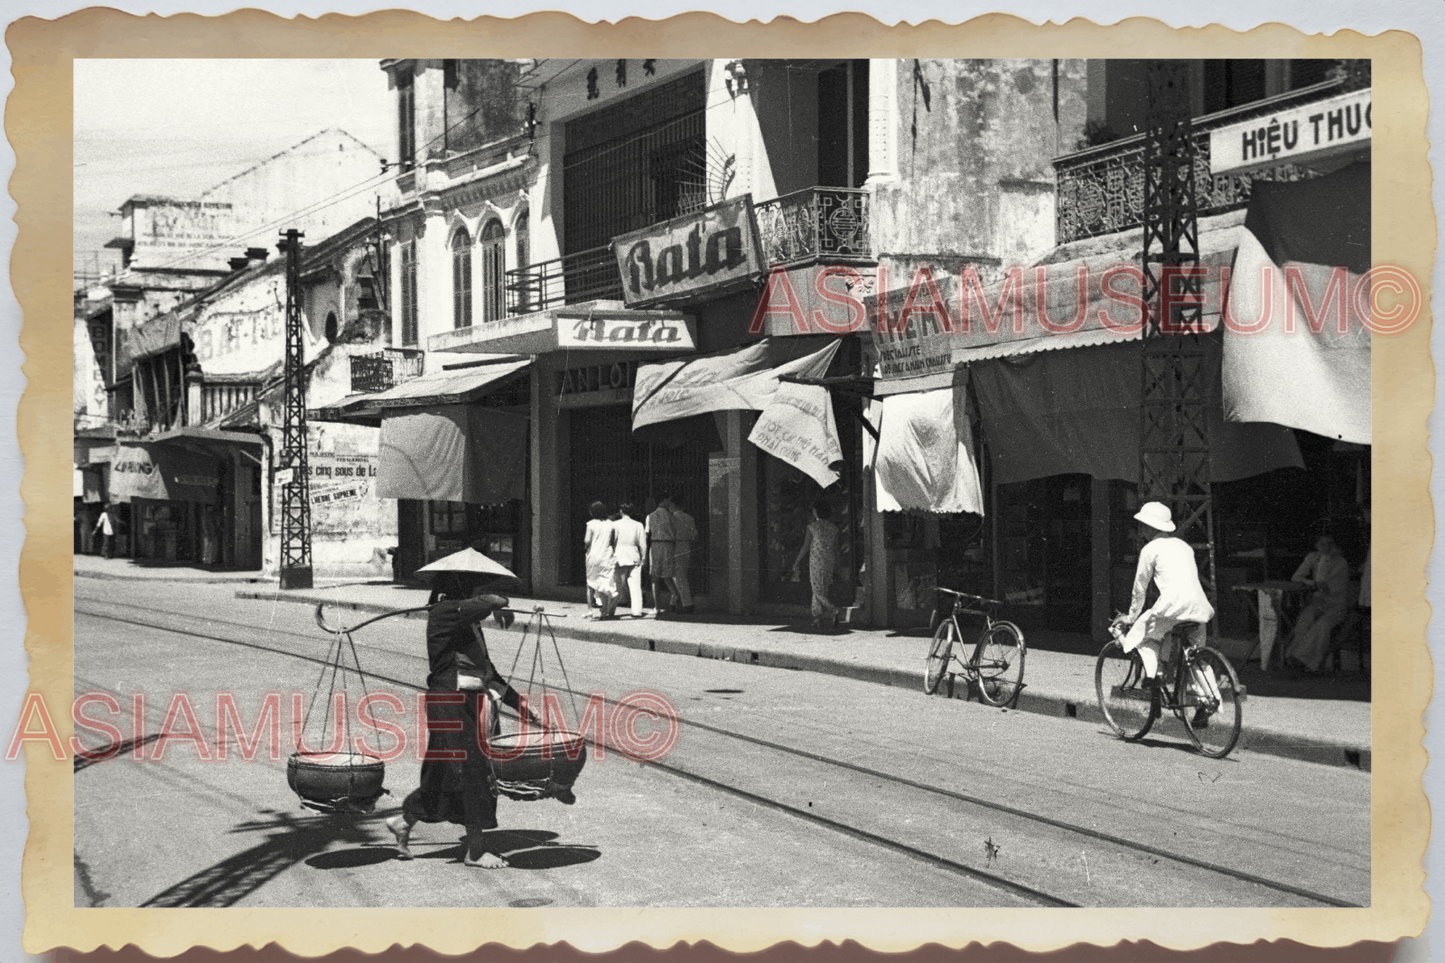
[[1169, 562]]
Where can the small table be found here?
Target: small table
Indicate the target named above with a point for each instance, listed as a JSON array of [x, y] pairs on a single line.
[[1275, 619]]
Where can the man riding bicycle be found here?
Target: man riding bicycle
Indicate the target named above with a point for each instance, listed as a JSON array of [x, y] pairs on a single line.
[[1169, 563]]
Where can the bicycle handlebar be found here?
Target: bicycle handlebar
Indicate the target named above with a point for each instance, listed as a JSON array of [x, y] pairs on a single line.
[[968, 595]]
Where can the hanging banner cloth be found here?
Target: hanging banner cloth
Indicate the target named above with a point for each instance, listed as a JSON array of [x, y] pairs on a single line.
[[923, 458], [798, 427], [1307, 365], [453, 453], [1060, 412], [743, 378], [163, 472]]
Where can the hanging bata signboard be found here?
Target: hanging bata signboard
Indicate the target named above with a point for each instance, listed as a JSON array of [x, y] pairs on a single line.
[[1311, 132], [689, 255]]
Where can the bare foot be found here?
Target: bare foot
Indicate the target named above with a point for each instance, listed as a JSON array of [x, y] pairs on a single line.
[[401, 829], [485, 861]]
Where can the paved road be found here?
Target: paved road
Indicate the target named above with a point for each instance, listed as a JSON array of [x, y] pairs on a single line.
[[783, 789]]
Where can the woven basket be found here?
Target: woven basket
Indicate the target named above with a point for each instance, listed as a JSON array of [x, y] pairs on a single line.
[[545, 767], [341, 781]]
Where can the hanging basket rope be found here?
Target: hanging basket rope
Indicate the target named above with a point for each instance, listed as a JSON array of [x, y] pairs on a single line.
[[528, 765]]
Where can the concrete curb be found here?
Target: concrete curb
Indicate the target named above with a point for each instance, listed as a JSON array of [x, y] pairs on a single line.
[[191, 580], [1031, 699]]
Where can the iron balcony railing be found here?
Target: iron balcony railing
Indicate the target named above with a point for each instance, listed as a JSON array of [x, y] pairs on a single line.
[[384, 369], [589, 275], [815, 223], [1101, 190]]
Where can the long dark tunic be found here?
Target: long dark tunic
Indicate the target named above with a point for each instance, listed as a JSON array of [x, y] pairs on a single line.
[[456, 779]]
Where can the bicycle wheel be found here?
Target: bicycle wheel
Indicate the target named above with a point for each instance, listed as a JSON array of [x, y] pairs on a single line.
[[1128, 705], [1213, 725], [938, 655], [998, 662]]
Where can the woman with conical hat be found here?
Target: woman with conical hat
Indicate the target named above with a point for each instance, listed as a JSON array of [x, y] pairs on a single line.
[[457, 785]]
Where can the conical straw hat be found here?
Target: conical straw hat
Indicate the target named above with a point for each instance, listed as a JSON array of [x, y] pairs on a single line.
[[468, 561]]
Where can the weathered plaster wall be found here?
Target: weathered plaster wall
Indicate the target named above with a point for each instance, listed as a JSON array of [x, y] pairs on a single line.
[[975, 142]]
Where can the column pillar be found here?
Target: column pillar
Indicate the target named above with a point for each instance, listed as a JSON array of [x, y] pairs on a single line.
[[1102, 564], [882, 120]]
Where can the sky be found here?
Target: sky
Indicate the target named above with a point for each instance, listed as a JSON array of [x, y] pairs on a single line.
[[177, 127]]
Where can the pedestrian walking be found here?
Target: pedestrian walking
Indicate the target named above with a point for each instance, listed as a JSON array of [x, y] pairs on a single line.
[[660, 555], [463, 688], [105, 525], [684, 534], [820, 548], [600, 543], [629, 552]]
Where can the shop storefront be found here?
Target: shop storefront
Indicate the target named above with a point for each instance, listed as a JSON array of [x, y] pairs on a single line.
[[1057, 419]]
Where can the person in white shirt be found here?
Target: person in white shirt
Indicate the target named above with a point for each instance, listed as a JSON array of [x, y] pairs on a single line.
[[628, 553], [1326, 569], [1169, 563], [106, 527]]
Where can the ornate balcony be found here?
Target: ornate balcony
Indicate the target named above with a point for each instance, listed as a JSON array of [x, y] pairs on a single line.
[[1101, 190], [814, 224], [384, 369], [589, 275]]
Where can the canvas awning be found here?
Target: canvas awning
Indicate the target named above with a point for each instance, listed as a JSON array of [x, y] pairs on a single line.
[[1061, 412], [923, 459], [453, 453], [743, 378], [460, 387], [167, 472]]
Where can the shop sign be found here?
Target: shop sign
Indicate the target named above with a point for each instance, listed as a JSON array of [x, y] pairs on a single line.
[[689, 255], [671, 333], [1299, 135], [598, 377]]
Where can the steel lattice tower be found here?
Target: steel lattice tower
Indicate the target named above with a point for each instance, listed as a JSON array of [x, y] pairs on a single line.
[[295, 492], [1174, 463]]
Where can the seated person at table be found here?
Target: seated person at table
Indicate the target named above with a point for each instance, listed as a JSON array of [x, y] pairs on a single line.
[[1326, 569]]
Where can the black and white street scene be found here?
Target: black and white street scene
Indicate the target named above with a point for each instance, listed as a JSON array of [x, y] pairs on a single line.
[[723, 482]]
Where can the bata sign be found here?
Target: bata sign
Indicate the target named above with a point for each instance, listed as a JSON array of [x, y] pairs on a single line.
[[1299, 135], [689, 255], [625, 329]]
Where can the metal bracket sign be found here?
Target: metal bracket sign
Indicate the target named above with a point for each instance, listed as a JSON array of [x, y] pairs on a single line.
[[690, 255], [1310, 132]]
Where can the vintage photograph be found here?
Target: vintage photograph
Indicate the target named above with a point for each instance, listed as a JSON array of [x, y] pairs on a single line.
[[673, 483]]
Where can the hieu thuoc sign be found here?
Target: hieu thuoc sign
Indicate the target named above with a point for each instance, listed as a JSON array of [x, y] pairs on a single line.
[[1299, 135], [689, 255]]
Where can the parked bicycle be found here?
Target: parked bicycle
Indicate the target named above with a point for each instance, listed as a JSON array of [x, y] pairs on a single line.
[[997, 663], [1200, 687]]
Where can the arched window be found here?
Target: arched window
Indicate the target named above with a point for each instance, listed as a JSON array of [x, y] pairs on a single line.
[[494, 272], [522, 231], [461, 279]]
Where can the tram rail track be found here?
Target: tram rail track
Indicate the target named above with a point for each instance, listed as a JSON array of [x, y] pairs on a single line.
[[1040, 895]]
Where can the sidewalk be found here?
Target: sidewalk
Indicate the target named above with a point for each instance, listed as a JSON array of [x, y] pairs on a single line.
[[1323, 720]]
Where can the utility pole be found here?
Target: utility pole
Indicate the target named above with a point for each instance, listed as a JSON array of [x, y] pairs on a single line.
[[296, 482], [1174, 462]]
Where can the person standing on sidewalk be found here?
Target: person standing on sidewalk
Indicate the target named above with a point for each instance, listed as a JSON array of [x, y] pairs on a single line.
[[684, 533], [660, 540], [600, 543], [631, 547], [106, 527], [820, 548]]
